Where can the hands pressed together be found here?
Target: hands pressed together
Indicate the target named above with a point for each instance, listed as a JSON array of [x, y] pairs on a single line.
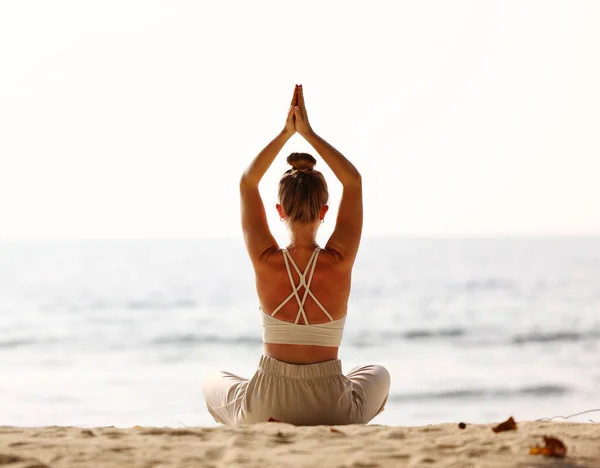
[[297, 119]]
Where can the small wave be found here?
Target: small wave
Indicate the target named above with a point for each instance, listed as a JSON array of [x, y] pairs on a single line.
[[441, 333], [157, 305], [372, 339], [552, 337], [543, 390], [191, 339], [17, 343]]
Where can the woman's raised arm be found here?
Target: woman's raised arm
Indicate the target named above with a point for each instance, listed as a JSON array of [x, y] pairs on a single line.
[[345, 238], [257, 235]]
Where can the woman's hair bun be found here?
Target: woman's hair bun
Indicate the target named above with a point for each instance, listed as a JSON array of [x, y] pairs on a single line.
[[302, 162]]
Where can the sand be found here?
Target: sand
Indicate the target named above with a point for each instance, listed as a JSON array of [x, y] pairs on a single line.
[[282, 445]]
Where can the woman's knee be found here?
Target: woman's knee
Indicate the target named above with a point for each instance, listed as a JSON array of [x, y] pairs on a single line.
[[208, 383], [383, 374], [373, 372], [215, 389]]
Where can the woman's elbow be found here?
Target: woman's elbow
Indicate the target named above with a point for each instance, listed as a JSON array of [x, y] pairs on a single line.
[[247, 181], [355, 180]]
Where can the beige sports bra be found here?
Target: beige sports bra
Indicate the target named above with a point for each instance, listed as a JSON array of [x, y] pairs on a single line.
[[320, 334]]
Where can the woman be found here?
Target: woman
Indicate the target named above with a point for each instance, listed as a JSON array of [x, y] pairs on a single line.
[[303, 292]]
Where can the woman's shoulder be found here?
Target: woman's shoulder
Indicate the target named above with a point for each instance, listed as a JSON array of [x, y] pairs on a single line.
[[328, 259]]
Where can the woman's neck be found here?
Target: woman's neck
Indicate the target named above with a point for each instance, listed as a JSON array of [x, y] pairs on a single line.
[[303, 235]]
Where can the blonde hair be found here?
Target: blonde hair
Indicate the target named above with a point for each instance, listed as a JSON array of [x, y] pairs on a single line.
[[302, 190]]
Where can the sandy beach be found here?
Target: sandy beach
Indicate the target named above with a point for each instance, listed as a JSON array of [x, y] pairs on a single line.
[[282, 445]]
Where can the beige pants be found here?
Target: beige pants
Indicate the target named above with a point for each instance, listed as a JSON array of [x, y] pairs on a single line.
[[306, 395]]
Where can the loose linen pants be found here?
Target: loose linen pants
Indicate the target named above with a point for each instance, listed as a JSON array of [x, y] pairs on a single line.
[[304, 395]]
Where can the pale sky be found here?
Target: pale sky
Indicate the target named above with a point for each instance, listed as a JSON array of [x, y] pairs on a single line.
[[136, 118]]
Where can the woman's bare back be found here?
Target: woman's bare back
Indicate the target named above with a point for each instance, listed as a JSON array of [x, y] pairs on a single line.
[[330, 285]]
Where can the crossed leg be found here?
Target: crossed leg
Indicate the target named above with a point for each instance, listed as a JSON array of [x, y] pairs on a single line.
[[224, 394], [372, 386]]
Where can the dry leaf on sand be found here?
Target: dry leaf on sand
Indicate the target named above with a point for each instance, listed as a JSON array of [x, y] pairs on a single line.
[[553, 448], [508, 425]]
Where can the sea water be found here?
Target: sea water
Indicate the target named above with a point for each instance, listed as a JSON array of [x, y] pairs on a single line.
[[121, 332]]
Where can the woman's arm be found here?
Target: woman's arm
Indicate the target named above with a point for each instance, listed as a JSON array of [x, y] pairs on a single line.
[[261, 163], [257, 235], [345, 238], [343, 169]]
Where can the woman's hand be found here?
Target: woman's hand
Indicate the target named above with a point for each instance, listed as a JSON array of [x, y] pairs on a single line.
[[290, 123], [300, 116]]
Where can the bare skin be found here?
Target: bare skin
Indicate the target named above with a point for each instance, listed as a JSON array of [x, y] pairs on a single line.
[[332, 277]]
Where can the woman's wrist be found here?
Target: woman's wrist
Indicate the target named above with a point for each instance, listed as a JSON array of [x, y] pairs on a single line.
[[309, 135], [286, 134]]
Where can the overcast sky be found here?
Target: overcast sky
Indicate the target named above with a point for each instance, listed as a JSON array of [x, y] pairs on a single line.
[[136, 118]]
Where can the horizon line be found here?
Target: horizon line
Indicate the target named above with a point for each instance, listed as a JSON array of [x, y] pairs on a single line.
[[498, 236]]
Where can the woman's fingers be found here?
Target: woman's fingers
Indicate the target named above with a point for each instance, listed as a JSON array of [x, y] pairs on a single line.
[[300, 97], [295, 97], [290, 121]]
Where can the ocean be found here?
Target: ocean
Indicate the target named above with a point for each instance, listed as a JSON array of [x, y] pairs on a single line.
[[121, 332]]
